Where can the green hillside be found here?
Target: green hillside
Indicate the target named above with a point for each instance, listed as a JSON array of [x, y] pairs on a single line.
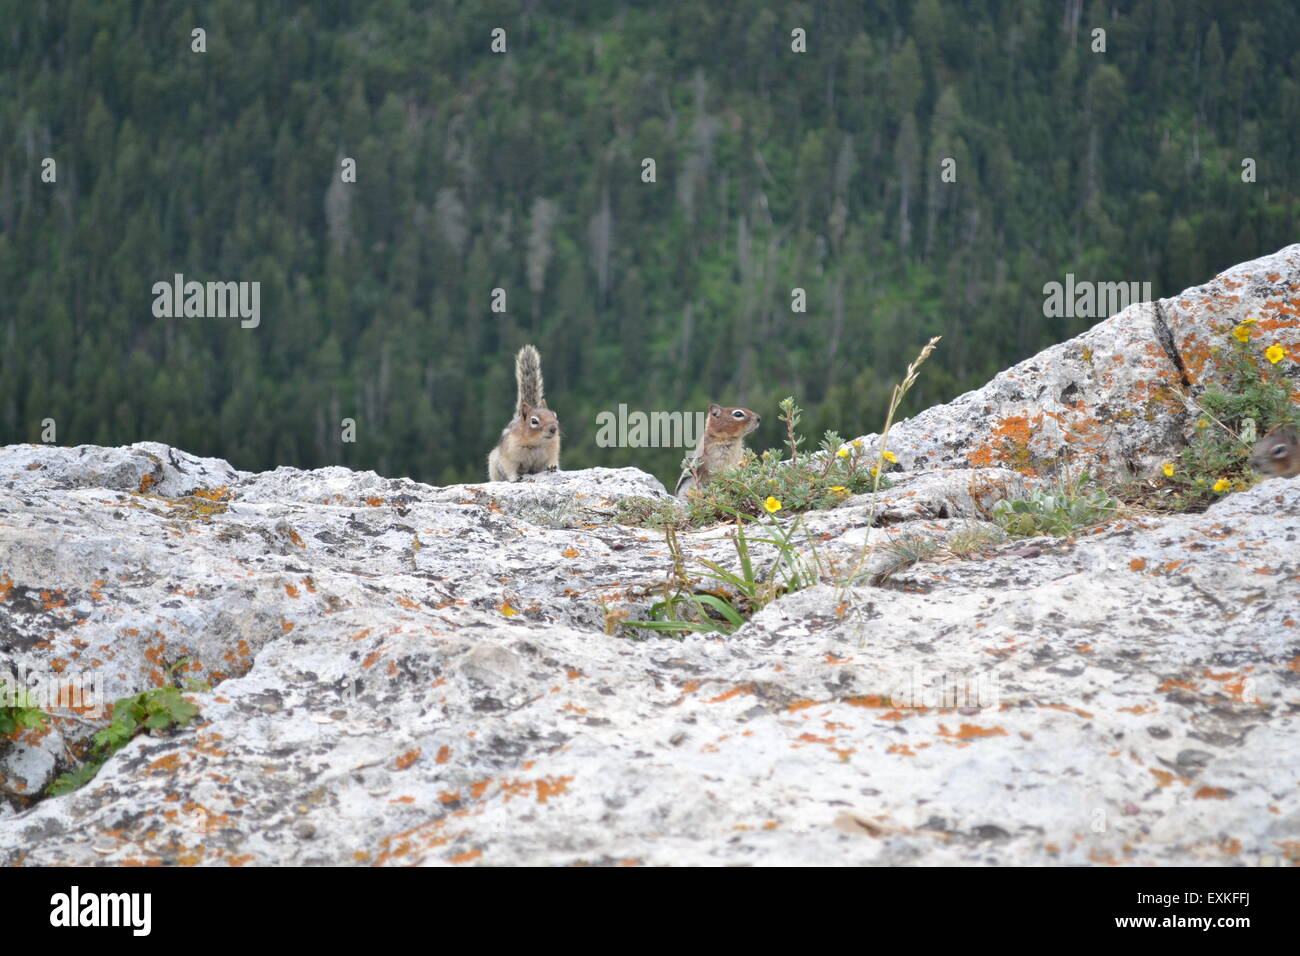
[[523, 171]]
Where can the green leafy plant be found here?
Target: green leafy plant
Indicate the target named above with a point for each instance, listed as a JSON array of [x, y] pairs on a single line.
[[75, 779], [1253, 398], [682, 608], [688, 604], [155, 711], [755, 492], [18, 711], [1072, 506], [802, 482]]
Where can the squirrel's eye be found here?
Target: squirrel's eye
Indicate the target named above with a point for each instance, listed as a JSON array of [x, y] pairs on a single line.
[[1279, 451], [738, 414], [535, 423]]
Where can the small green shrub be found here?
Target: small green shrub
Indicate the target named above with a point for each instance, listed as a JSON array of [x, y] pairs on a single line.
[[755, 492], [687, 604], [973, 539], [802, 482], [156, 710], [1254, 398], [752, 493], [18, 711], [905, 550], [1060, 512]]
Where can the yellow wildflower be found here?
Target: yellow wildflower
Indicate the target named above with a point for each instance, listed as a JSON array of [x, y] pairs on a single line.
[[1222, 485], [1168, 469], [772, 505], [839, 489], [1275, 353], [857, 445], [890, 457], [843, 453], [1241, 333]]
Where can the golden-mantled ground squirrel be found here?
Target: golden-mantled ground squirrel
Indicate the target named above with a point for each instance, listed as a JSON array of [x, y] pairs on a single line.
[[1278, 453], [530, 444], [721, 446]]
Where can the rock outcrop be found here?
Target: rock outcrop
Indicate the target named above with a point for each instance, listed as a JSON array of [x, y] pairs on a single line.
[[407, 674], [1109, 400]]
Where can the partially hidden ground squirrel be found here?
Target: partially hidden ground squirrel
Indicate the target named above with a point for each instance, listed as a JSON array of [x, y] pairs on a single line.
[[722, 445], [530, 444], [1278, 453]]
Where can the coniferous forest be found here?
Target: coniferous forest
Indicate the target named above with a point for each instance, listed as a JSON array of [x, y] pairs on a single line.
[[523, 171]]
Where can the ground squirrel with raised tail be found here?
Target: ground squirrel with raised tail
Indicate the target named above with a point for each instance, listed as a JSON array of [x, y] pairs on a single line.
[[1278, 453], [530, 444], [722, 445]]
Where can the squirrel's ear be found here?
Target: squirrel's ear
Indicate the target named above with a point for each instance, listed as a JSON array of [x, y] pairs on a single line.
[[715, 410], [525, 409], [542, 403]]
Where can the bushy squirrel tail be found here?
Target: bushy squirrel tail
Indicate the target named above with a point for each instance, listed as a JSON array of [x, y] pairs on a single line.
[[528, 377]]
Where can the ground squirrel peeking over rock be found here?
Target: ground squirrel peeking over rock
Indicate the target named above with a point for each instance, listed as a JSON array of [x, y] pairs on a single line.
[[530, 444], [722, 445], [1278, 453]]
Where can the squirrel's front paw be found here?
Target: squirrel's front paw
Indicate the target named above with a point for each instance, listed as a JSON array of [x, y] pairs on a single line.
[[552, 469]]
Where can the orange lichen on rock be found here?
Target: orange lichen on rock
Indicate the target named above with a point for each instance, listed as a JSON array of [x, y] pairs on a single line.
[[1164, 778], [971, 732], [812, 739], [734, 692], [1008, 445], [168, 764], [408, 758], [1078, 712], [869, 700], [1139, 709], [222, 493], [1234, 684]]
